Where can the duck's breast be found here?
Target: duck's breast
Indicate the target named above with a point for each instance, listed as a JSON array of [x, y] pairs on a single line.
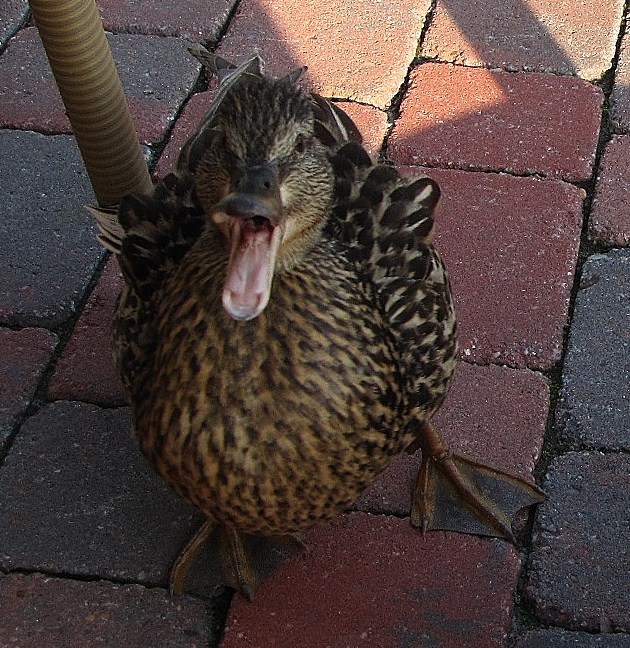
[[277, 423]]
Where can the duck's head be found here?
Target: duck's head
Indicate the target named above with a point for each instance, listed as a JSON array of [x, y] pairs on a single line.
[[264, 180]]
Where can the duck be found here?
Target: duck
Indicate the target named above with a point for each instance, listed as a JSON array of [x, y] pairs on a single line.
[[287, 328]]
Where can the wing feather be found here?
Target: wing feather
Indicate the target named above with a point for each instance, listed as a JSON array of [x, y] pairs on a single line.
[[385, 223], [158, 231]]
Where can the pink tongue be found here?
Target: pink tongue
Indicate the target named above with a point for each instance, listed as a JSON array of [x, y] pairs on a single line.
[[250, 271]]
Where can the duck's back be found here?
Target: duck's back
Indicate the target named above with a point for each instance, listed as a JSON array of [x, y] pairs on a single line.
[[274, 424]]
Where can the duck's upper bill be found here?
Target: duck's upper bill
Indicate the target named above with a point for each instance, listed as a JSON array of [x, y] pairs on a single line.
[[250, 217]]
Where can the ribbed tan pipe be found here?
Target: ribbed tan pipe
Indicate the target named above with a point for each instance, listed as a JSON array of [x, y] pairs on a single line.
[[84, 69]]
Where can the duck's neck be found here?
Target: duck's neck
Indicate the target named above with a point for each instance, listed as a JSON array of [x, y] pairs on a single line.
[[297, 244]]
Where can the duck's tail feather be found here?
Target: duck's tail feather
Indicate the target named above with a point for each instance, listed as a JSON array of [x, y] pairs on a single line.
[[333, 126], [110, 231]]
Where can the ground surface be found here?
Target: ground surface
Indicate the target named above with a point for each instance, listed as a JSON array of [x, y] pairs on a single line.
[[521, 110]]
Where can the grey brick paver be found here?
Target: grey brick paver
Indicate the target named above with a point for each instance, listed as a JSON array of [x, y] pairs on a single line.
[[193, 21], [563, 639], [78, 498], [578, 576], [24, 357], [157, 75], [47, 239], [85, 370], [594, 409], [13, 13]]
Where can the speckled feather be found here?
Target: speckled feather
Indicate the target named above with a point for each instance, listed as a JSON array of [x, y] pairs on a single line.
[[273, 425]]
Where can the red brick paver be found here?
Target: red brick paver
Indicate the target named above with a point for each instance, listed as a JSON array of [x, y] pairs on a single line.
[[372, 581], [364, 58], [610, 218], [85, 371], [494, 414], [471, 118], [31, 100], [563, 36], [511, 246], [38, 611], [188, 121]]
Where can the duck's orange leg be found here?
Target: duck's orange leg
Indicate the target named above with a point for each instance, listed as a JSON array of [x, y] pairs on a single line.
[[244, 560], [183, 563], [458, 494]]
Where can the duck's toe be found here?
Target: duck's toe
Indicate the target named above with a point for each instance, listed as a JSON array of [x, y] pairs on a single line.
[[454, 493], [241, 561]]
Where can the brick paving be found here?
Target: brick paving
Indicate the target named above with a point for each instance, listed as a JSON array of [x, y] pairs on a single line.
[[75, 615], [487, 120], [368, 581], [563, 37], [609, 223], [521, 111], [83, 372], [578, 576], [158, 75]]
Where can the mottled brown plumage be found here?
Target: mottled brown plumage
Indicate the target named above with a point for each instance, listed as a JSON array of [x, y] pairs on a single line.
[[287, 327]]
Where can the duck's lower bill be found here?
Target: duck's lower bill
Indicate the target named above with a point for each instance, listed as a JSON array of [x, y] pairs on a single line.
[[254, 244]]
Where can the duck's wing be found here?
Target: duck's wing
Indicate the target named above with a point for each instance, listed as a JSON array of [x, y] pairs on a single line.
[[385, 223], [150, 234], [159, 231], [333, 126]]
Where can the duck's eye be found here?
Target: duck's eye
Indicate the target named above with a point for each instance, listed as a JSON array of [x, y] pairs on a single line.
[[300, 144]]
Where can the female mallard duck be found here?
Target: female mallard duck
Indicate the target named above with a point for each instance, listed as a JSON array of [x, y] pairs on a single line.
[[287, 327]]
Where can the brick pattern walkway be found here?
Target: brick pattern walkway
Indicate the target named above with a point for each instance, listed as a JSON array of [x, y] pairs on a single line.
[[521, 110]]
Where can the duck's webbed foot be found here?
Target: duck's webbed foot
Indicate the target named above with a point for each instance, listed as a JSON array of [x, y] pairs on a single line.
[[454, 493], [244, 560]]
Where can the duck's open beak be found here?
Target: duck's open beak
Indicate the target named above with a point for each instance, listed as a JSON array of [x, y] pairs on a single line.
[[250, 217]]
